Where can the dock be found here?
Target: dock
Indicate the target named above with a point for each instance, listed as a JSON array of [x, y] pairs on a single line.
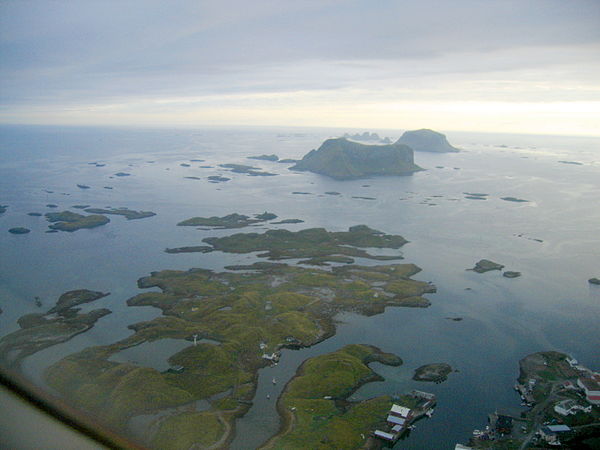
[[401, 418]]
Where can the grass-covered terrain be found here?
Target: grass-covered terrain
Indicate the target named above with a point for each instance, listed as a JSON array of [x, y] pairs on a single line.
[[436, 372], [275, 305], [129, 214], [313, 405], [229, 221], [39, 331], [188, 430], [70, 221], [545, 367], [309, 243]]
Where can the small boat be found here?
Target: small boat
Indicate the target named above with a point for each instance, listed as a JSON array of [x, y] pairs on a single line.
[[274, 381]]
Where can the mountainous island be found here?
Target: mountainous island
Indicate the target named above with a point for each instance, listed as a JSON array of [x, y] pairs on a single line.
[[425, 140], [343, 159]]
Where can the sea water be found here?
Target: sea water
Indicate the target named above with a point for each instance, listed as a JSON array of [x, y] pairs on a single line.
[[553, 239]]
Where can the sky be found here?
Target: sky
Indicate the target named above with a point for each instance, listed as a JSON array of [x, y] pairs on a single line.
[[521, 66]]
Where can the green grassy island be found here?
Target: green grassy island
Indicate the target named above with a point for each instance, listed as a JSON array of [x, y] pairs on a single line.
[[308, 243], [436, 372], [129, 214], [250, 315], [226, 222], [70, 221]]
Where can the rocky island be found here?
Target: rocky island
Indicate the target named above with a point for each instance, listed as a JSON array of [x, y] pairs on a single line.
[[229, 221], [343, 159], [129, 214], [425, 140], [514, 199], [366, 136], [19, 230], [435, 373], [511, 274], [249, 170], [485, 265], [70, 221]]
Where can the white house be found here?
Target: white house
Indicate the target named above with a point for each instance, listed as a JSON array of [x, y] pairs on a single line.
[[567, 407], [400, 411]]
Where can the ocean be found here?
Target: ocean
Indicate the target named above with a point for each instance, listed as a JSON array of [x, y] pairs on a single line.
[[553, 239]]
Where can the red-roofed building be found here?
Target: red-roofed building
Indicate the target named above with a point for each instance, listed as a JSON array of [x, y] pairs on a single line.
[[591, 388]]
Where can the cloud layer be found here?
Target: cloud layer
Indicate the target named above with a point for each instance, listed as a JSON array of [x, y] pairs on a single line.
[[198, 62]]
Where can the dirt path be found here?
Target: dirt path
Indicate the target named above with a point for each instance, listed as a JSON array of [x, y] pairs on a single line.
[[226, 433], [538, 411]]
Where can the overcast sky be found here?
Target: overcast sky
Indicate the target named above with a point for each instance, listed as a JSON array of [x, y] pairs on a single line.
[[482, 65]]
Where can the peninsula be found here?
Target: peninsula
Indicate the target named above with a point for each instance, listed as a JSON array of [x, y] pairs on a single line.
[[425, 140], [59, 324], [314, 406], [343, 160]]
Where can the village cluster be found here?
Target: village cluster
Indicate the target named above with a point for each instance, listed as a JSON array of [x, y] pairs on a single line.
[[580, 393]]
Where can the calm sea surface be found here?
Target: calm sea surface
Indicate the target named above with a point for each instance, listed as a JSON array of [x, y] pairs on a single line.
[[551, 307]]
